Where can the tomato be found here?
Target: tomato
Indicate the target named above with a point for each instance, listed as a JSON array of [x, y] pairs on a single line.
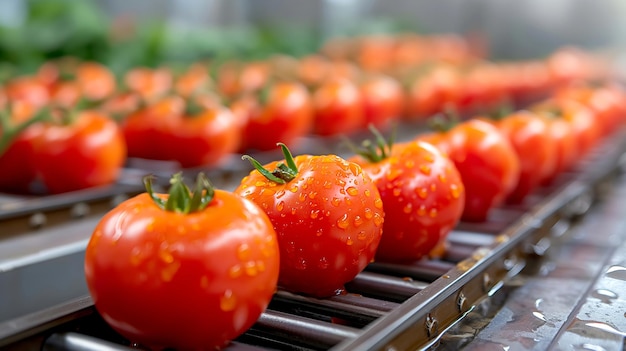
[[286, 116], [536, 149], [487, 162], [20, 128], [312, 70], [186, 131], [95, 80], [236, 78], [338, 108], [90, 80], [383, 101], [328, 216], [151, 84], [85, 150], [431, 92], [423, 198], [27, 89], [184, 272], [566, 151], [194, 80]]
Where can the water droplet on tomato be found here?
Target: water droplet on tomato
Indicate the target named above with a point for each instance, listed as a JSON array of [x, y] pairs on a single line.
[[397, 192], [319, 232], [421, 211], [301, 197], [327, 184], [358, 221], [393, 174], [260, 183], [409, 163], [408, 208], [312, 195], [315, 213], [433, 187], [429, 158], [167, 273], [294, 189], [368, 213], [378, 203], [355, 169], [228, 301], [293, 210], [235, 271], [243, 252], [280, 193], [433, 213], [150, 226], [300, 264], [166, 256], [280, 206], [442, 178], [335, 201], [343, 221], [455, 191], [378, 220], [422, 193], [323, 263], [367, 193], [340, 182], [352, 191], [260, 266], [136, 256], [349, 241], [251, 268], [362, 235], [425, 170]]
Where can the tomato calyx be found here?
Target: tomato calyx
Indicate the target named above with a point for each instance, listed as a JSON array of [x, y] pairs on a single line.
[[9, 131], [445, 120], [283, 173], [374, 151], [181, 199]]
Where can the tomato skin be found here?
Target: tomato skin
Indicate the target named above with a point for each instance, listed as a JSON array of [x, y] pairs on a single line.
[[423, 199], [383, 101], [328, 219], [188, 281], [150, 84], [487, 162], [286, 117], [536, 149], [338, 108], [86, 153], [430, 93]]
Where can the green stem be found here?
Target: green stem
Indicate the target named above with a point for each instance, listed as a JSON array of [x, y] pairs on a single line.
[[374, 151], [283, 173], [181, 199], [444, 121], [11, 131]]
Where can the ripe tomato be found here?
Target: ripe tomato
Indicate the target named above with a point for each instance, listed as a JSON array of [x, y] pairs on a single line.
[[85, 150], [151, 84], [286, 116], [383, 101], [423, 198], [487, 162], [182, 271], [27, 89], [328, 216], [566, 146], [536, 149], [18, 130], [194, 80], [186, 131], [430, 92], [338, 108]]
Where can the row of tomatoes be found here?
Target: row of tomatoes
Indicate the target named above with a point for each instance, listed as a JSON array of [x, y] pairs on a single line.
[[195, 268], [198, 119]]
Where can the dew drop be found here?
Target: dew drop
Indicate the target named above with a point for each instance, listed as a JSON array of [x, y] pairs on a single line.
[[315, 214], [454, 190], [280, 193], [433, 213], [358, 221], [352, 191], [167, 274], [604, 295], [340, 182], [166, 256], [135, 256], [280, 206], [300, 264], [354, 169], [251, 268], [397, 192], [378, 203], [323, 263], [312, 195], [425, 169], [442, 178], [433, 187], [335, 201], [361, 235], [343, 221], [349, 241], [293, 210], [367, 192], [294, 189], [393, 174], [368, 213], [235, 271], [260, 183], [319, 232], [409, 163], [421, 211], [228, 301], [327, 184], [616, 272], [378, 220], [408, 208], [243, 252], [429, 158], [422, 193]]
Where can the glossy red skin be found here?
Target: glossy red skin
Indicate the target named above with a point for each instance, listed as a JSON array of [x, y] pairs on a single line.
[[432, 92], [286, 117], [187, 281], [328, 219], [338, 108], [487, 162], [566, 146], [164, 132], [423, 199], [586, 131], [383, 101], [536, 149], [86, 153]]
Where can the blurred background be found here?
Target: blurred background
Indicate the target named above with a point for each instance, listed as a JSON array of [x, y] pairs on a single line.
[[122, 33]]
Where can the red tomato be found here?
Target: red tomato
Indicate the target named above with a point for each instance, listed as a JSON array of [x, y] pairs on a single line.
[[188, 132], [338, 108], [95, 80], [286, 116], [536, 149], [168, 273], [151, 84], [487, 162], [566, 147], [17, 148], [85, 152], [383, 101], [194, 80], [27, 89], [328, 216], [423, 198], [433, 91]]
